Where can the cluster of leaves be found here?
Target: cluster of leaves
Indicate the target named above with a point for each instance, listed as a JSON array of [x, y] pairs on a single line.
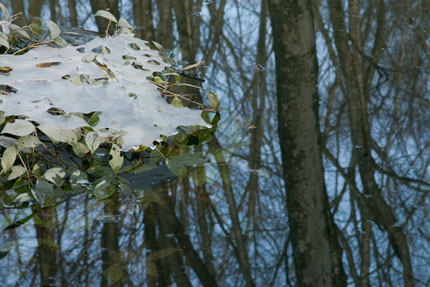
[[20, 39], [40, 163], [43, 165]]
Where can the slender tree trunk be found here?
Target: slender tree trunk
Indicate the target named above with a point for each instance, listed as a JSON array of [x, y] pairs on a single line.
[[315, 248], [164, 31], [242, 252], [18, 7], [258, 101], [185, 24], [113, 272], [34, 8], [156, 272], [174, 260], [170, 224], [53, 10], [47, 247], [73, 13], [142, 13]]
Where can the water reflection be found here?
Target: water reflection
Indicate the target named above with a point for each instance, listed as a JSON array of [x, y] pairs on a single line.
[[224, 221], [124, 240]]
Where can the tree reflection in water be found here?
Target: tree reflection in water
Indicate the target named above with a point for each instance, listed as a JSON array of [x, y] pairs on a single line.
[[224, 222]]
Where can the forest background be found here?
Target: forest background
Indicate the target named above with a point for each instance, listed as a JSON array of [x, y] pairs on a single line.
[[343, 182]]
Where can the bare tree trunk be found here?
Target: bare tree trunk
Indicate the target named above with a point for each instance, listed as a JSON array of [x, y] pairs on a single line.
[[73, 13], [258, 100], [156, 271], [53, 10], [34, 8], [142, 13], [114, 273], [47, 247], [242, 252], [164, 31], [185, 24], [175, 259], [18, 7], [315, 248], [170, 224]]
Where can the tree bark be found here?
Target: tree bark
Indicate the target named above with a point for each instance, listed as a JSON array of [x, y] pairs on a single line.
[[53, 10], [47, 247], [114, 273], [142, 13], [73, 18], [18, 7], [315, 248], [241, 250], [170, 224], [34, 8], [164, 31], [258, 102]]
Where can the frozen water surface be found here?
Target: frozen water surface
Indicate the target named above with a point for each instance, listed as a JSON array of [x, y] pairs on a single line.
[[107, 75]]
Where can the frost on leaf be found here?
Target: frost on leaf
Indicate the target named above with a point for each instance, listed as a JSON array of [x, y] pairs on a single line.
[[76, 83]]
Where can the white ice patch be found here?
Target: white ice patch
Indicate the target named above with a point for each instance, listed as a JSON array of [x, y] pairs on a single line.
[[114, 84]]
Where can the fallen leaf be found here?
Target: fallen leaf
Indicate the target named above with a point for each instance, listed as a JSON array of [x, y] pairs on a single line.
[[47, 64], [5, 70], [6, 89]]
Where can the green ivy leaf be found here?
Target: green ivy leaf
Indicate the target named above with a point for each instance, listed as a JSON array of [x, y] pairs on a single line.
[[76, 80], [178, 164], [6, 141], [54, 30], [41, 189], [103, 190], [23, 197], [213, 100], [19, 128], [8, 158], [205, 117], [4, 42], [57, 135], [92, 141], [80, 149], [117, 160], [60, 42], [2, 117], [37, 170], [106, 14], [177, 103], [19, 30], [124, 23], [29, 141], [159, 47], [5, 12], [4, 37], [36, 27], [19, 222], [94, 119], [55, 175], [16, 172]]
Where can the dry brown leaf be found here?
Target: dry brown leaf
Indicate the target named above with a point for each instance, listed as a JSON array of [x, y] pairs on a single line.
[[5, 70], [47, 64]]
